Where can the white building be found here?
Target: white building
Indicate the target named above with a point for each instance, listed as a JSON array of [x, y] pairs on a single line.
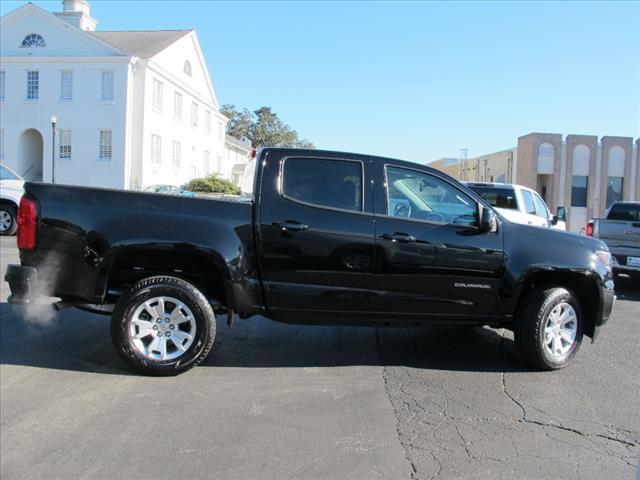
[[237, 154], [133, 108]]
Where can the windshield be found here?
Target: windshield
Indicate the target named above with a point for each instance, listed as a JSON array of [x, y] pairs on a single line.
[[499, 197], [6, 174]]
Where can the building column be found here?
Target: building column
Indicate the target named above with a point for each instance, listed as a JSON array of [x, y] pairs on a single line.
[[590, 142]]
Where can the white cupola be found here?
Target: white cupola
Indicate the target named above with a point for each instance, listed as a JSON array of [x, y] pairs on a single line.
[[76, 12]]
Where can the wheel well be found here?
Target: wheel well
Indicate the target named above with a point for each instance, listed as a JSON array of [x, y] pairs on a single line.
[[582, 286], [135, 265], [4, 201]]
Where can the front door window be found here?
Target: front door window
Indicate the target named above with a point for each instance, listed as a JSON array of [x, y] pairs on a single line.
[[418, 196]]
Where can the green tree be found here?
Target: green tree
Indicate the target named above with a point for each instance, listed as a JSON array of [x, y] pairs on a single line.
[[240, 122], [212, 184], [262, 127]]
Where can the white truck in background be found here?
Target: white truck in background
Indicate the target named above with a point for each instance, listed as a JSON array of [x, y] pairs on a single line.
[[11, 190], [519, 204]]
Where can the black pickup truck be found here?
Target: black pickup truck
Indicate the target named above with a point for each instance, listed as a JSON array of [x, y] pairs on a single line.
[[324, 237]]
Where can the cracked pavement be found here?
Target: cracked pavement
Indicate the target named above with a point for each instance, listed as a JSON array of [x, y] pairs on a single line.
[[282, 401], [475, 411]]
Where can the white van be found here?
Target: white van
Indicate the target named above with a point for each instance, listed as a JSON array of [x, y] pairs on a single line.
[[519, 204]]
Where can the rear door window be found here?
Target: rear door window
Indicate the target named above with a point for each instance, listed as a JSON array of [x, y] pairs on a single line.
[[541, 209], [497, 197], [323, 182], [529, 206]]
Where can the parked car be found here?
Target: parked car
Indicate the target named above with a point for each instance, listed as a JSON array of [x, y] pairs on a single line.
[[519, 204], [620, 230], [315, 242], [169, 190], [11, 189]]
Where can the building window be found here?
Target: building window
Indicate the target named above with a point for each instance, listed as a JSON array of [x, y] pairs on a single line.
[[579, 185], [187, 67], [177, 107], [106, 145], [33, 84], [207, 161], [220, 131], [157, 95], [194, 114], [64, 145], [106, 86], [3, 77], [66, 85], [207, 122], [1, 143], [156, 149], [614, 190], [33, 40], [192, 172], [176, 154]]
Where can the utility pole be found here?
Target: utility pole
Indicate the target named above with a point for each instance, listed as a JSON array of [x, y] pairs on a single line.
[[463, 163]]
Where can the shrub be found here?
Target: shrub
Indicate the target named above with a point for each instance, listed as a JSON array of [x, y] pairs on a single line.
[[213, 184]]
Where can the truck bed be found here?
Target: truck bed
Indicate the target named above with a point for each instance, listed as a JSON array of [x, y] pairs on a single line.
[[82, 231]]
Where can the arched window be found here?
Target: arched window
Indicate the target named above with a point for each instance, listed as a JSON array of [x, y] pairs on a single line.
[[187, 67], [546, 159], [33, 40], [581, 160]]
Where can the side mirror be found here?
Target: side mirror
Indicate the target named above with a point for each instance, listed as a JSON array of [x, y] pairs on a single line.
[[561, 215], [487, 220]]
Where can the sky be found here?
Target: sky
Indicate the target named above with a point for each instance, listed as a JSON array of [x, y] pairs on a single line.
[[412, 80]]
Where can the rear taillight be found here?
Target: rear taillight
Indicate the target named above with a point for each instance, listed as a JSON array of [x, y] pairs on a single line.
[[589, 231], [27, 220]]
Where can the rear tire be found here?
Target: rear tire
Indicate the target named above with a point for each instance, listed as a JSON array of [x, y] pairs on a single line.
[[163, 326], [548, 330], [8, 223]]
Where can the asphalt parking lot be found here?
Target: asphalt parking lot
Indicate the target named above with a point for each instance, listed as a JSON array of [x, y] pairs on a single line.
[[279, 401]]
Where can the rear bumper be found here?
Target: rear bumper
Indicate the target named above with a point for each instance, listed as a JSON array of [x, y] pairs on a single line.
[[620, 257], [23, 282]]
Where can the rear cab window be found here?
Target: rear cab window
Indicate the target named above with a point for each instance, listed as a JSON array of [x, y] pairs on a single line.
[[322, 182], [628, 212]]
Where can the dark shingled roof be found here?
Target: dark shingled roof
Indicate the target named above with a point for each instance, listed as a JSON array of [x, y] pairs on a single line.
[[143, 44]]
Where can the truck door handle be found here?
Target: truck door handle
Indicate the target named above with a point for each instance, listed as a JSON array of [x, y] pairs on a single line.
[[399, 237], [290, 226]]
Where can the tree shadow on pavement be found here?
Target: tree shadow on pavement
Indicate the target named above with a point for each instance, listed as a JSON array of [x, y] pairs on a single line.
[[78, 341]]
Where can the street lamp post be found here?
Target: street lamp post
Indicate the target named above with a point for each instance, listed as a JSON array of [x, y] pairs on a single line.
[[54, 120]]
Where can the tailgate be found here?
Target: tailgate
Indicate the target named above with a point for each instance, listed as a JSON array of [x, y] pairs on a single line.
[[619, 234]]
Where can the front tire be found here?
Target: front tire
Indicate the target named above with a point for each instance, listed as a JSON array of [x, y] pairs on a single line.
[[549, 327], [163, 326], [8, 223]]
